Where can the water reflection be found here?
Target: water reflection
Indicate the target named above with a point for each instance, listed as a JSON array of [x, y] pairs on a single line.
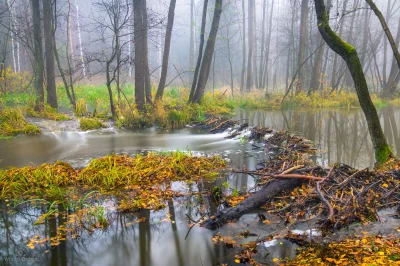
[[341, 135], [160, 238]]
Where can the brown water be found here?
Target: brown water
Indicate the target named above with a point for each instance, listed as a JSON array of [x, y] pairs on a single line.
[[341, 136]]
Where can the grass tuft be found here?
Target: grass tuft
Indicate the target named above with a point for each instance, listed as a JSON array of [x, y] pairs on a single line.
[[91, 124], [12, 123]]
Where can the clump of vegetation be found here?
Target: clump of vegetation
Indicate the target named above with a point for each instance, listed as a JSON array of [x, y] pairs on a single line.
[[90, 123], [81, 109], [47, 112], [115, 174], [12, 123]]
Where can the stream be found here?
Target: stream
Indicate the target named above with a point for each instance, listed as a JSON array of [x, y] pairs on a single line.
[[339, 135]]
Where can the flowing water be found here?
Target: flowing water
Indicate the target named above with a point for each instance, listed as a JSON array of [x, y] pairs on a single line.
[[339, 135]]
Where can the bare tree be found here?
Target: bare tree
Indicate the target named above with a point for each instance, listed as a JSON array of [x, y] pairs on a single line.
[[49, 48], [167, 45], [249, 83], [303, 40], [208, 54], [38, 54], [200, 54], [349, 54]]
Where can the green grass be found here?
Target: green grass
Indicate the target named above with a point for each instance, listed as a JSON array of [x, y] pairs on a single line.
[[174, 112]]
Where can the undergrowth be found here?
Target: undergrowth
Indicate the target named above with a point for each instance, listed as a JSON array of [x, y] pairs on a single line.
[[12, 123], [136, 181], [90, 124]]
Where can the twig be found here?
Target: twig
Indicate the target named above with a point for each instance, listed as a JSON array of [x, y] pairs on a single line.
[[298, 176], [345, 182], [324, 200], [292, 169]]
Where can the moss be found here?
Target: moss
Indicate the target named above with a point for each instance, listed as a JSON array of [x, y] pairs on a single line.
[[91, 124], [383, 154], [12, 123]]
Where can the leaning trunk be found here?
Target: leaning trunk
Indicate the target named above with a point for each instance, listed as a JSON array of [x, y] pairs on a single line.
[[350, 56]]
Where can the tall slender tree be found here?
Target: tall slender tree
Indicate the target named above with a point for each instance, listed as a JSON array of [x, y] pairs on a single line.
[[249, 79], [49, 48], [200, 54], [303, 40], [167, 45], [38, 54], [208, 53]]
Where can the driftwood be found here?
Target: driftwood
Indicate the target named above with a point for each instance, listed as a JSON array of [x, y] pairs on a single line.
[[268, 192]]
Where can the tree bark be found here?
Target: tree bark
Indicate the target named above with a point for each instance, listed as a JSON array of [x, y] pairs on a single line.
[[192, 24], [145, 53], [349, 54], [139, 60], [316, 75], [208, 53], [38, 54], [261, 69], [167, 45], [50, 71], [200, 55], [303, 40], [249, 81], [243, 77]]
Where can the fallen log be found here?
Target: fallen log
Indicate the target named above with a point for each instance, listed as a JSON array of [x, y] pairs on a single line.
[[268, 192]]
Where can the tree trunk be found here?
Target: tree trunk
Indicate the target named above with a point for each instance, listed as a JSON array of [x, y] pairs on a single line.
[[249, 82], [394, 71], [303, 40], [200, 55], [208, 53], [365, 36], [316, 75], [110, 94], [349, 54], [192, 24], [387, 31], [167, 45], [50, 71], [139, 60], [80, 39], [261, 74], [242, 77], [388, 15], [268, 192], [145, 53], [268, 48], [38, 54]]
